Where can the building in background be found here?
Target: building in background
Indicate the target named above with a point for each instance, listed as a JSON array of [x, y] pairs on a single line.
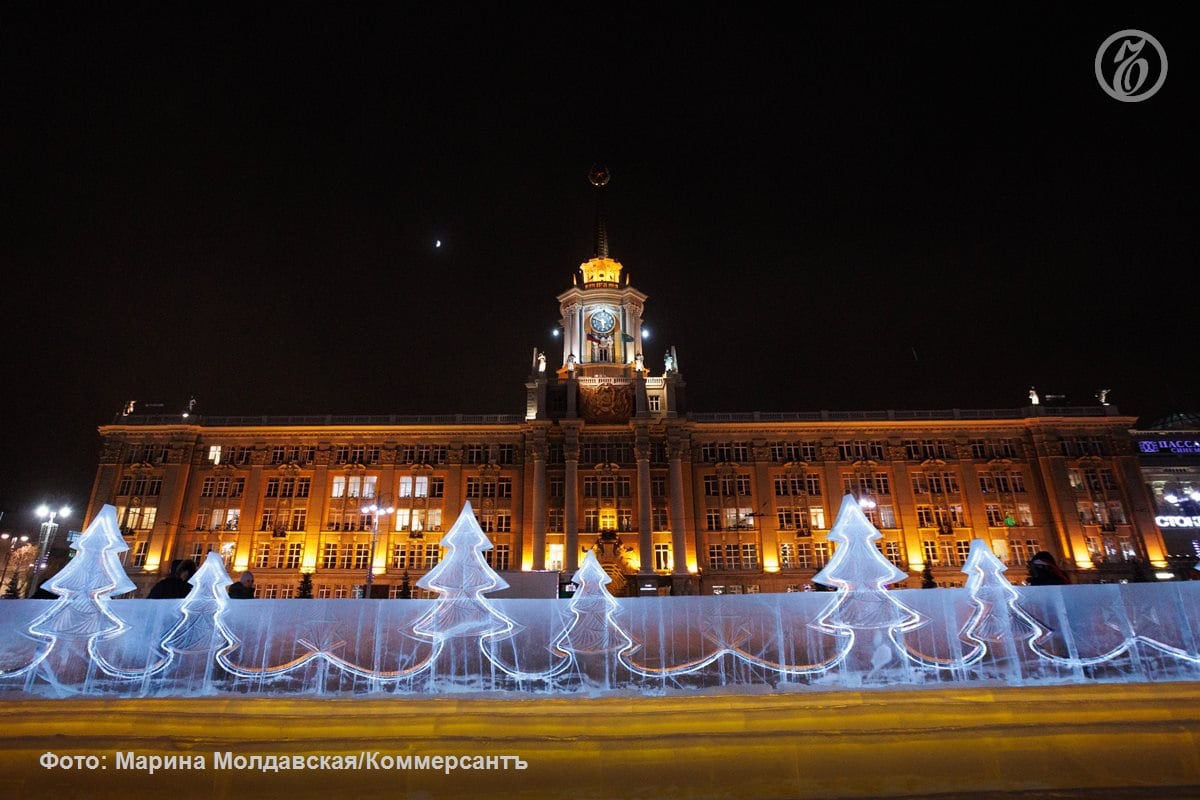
[[1169, 452], [607, 457]]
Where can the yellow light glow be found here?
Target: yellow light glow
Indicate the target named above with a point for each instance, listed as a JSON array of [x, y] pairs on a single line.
[[601, 270], [152, 564], [1084, 563], [693, 567], [1158, 563], [241, 564], [771, 564], [527, 563], [774, 740], [916, 566], [633, 561]]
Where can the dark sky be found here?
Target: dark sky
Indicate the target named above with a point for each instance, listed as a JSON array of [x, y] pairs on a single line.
[[925, 208]]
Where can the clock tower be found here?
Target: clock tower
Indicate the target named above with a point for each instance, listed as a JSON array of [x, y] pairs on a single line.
[[602, 374]]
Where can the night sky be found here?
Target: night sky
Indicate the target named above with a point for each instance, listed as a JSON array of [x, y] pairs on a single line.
[[851, 210]]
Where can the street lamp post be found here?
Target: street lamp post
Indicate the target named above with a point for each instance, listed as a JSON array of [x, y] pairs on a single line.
[[376, 511], [13, 542], [49, 529]]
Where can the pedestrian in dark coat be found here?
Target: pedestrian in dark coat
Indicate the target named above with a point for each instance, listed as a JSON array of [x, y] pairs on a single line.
[[176, 584], [1044, 571], [244, 588]]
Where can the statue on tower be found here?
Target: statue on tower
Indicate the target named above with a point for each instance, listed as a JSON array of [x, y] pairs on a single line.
[[671, 360], [541, 362]]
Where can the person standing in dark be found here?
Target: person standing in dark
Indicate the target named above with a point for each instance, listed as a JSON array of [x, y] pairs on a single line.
[[176, 584], [1044, 571], [244, 588]]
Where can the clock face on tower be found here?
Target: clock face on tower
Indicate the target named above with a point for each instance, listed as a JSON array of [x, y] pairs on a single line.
[[603, 322]]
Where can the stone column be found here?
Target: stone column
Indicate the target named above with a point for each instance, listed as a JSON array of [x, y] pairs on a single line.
[[539, 507], [678, 534], [645, 527], [571, 556]]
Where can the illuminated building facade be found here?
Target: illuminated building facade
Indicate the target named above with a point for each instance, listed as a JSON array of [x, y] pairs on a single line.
[[1169, 451], [607, 456]]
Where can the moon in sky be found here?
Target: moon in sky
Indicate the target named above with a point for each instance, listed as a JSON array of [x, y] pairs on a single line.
[[437, 243]]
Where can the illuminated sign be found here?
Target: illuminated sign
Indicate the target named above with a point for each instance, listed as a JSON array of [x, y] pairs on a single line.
[[1179, 447], [1177, 522]]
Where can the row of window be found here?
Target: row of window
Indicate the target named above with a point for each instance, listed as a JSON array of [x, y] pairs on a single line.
[[1104, 513], [606, 486], [139, 485], [815, 555], [345, 454], [621, 452], [488, 487], [721, 557], [1092, 479], [599, 520], [875, 483], [799, 518], [883, 516], [860, 449], [336, 591]]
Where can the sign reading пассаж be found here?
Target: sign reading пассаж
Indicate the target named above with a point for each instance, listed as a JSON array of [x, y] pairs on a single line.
[[1179, 447]]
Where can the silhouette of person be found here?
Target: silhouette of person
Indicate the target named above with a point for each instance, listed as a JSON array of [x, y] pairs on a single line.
[[1044, 571], [176, 584], [244, 588]]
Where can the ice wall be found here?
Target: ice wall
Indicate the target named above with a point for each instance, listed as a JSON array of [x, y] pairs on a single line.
[[863, 635]]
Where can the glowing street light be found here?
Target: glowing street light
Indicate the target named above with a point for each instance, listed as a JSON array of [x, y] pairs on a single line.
[[49, 529], [376, 511]]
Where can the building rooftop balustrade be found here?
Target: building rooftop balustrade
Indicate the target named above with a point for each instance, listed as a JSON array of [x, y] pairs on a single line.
[[320, 419], [513, 419], [917, 414]]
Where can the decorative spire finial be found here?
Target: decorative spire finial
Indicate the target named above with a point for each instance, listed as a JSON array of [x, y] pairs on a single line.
[[599, 177]]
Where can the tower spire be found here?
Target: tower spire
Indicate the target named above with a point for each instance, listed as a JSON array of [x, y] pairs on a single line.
[[598, 175]]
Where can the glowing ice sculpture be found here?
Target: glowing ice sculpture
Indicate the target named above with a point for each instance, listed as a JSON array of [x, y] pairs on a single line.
[[863, 603], [592, 629], [81, 617], [995, 624], [864, 635], [461, 579]]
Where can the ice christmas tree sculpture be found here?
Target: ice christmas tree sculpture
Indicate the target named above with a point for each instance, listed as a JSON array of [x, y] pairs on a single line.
[[81, 616], [997, 617], [592, 629], [462, 578], [196, 636], [87, 583], [201, 629], [861, 574]]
